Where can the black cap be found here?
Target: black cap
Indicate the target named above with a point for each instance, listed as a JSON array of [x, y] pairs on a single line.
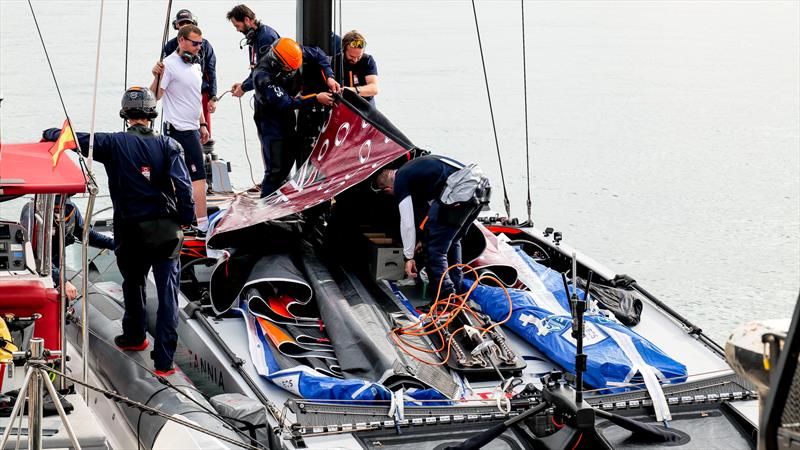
[[184, 15]]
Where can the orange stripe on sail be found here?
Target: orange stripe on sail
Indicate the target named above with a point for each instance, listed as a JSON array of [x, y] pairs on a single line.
[[275, 334]]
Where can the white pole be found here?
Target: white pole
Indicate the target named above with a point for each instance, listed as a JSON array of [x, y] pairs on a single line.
[[92, 195], [94, 97]]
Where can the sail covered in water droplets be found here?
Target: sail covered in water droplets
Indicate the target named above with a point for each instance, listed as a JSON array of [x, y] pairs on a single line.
[[356, 142]]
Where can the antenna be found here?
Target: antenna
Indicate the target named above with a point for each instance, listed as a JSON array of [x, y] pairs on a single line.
[[578, 309]]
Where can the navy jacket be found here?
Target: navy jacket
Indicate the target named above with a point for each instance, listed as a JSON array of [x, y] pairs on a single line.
[[416, 184], [147, 176], [356, 74], [423, 178], [74, 233], [264, 38], [208, 64], [277, 100]]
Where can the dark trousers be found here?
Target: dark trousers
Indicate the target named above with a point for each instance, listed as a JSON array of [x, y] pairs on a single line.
[[192, 150], [444, 246], [135, 261], [279, 155]]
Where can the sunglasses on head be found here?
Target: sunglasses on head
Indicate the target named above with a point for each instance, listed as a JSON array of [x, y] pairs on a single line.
[[358, 43]]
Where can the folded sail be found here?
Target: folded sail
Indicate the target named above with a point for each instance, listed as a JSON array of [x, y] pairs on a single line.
[[356, 142]]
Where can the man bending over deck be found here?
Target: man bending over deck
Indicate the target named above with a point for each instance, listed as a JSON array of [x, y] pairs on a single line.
[[455, 194]]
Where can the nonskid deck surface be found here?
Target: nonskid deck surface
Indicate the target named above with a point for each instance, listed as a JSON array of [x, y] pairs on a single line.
[[714, 380]]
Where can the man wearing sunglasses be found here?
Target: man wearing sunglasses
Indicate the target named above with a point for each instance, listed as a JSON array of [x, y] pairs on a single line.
[[208, 66], [359, 69], [178, 80]]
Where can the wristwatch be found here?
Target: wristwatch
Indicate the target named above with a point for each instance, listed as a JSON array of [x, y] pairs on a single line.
[[204, 125]]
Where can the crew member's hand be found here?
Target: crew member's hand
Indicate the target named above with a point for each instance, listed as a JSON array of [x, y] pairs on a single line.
[[158, 69], [50, 134], [204, 135], [212, 106], [71, 290], [333, 85], [236, 90], [411, 268], [325, 98], [418, 247]]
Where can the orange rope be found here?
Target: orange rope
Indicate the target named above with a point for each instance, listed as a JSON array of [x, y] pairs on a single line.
[[447, 310]]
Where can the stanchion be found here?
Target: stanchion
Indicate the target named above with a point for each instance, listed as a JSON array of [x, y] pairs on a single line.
[[36, 378]]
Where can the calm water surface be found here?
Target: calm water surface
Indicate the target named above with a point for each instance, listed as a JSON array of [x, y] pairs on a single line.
[[664, 136]]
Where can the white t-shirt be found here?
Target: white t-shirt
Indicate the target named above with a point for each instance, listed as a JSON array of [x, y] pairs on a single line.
[[182, 99]]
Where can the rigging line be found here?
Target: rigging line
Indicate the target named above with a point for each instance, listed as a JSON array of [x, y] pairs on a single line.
[[525, 97], [341, 35], [161, 56], [87, 176], [506, 202], [127, 30], [148, 409], [244, 137], [53, 73], [94, 95], [169, 385]]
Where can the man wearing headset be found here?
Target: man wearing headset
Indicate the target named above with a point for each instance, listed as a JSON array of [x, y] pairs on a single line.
[[277, 82], [208, 65], [151, 195], [259, 38], [178, 80]]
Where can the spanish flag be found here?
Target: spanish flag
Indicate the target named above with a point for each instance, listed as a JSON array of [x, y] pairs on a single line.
[[66, 141]]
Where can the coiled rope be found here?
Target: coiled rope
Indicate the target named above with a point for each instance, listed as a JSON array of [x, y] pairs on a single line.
[[442, 313]]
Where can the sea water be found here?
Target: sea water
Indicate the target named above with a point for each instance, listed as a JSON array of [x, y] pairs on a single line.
[[664, 137]]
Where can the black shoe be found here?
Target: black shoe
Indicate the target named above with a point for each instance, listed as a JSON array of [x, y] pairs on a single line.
[[131, 345], [192, 230]]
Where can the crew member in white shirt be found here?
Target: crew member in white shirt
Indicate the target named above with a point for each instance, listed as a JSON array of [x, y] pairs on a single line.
[[178, 79]]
